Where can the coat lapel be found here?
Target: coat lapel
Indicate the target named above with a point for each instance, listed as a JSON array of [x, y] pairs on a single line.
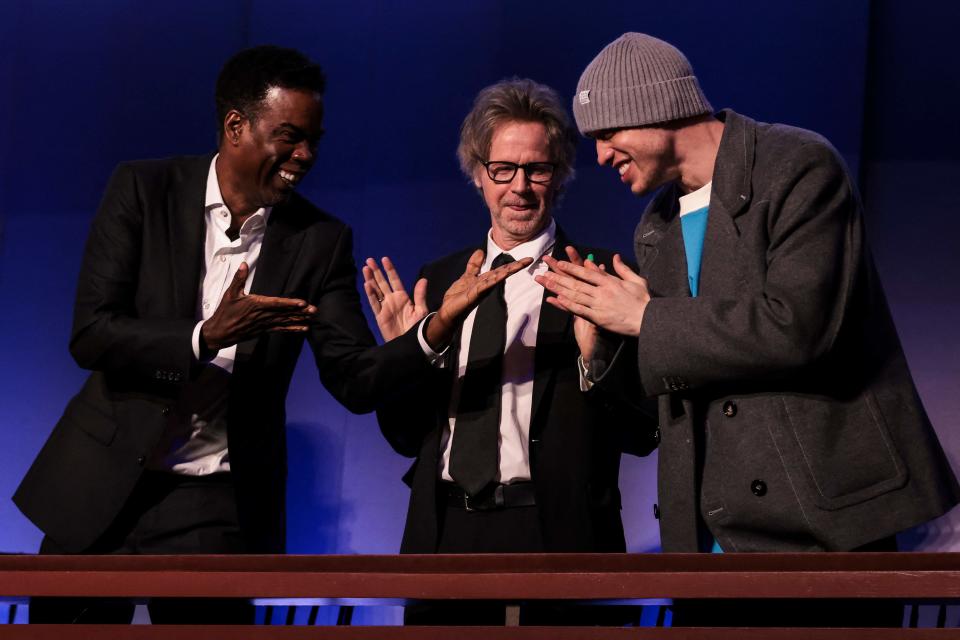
[[185, 212], [281, 244]]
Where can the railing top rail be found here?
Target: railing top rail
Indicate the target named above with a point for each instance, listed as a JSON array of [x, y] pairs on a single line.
[[732, 563]]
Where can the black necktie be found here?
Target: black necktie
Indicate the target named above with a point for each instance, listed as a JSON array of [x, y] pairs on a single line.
[[474, 458]]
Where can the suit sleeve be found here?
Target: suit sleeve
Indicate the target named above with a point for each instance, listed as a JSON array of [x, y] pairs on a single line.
[[357, 372], [411, 416], [107, 333], [813, 257]]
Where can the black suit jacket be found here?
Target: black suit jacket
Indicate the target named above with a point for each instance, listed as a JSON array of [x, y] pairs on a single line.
[[134, 316], [575, 438]]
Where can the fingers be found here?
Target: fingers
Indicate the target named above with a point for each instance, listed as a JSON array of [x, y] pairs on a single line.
[[235, 290], [392, 276], [594, 277], [574, 256], [420, 294], [378, 277], [567, 286], [373, 293], [271, 303], [474, 263], [491, 278], [553, 300], [626, 272], [576, 308]]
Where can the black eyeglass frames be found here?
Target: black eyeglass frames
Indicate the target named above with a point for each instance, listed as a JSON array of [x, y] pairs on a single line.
[[503, 172]]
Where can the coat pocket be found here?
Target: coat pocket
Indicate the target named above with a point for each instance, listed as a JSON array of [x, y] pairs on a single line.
[[846, 448], [96, 423]]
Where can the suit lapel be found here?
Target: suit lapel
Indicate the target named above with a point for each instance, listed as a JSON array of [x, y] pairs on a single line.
[[185, 211], [281, 244], [553, 332]]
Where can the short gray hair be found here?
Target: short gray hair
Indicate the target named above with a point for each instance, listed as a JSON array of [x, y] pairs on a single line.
[[517, 100]]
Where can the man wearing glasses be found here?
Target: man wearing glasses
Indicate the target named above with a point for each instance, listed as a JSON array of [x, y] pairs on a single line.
[[511, 455]]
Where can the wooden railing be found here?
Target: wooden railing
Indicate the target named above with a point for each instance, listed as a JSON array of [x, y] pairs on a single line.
[[508, 578]]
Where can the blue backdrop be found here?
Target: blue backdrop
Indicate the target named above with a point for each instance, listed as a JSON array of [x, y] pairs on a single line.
[[88, 84]]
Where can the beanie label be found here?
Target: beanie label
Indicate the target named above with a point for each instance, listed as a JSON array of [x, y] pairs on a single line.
[[584, 97]]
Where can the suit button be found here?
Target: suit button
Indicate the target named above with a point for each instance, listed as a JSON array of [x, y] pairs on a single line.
[[656, 511], [759, 488], [165, 411], [729, 408], [141, 460]]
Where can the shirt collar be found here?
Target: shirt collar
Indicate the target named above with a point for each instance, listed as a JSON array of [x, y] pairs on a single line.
[[535, 248], [213, 202]]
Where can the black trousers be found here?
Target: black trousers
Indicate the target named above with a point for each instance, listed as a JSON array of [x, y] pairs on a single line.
[[512, 530], [166, 514]]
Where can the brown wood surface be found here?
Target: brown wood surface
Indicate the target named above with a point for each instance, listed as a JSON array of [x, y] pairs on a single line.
[[505, 577]]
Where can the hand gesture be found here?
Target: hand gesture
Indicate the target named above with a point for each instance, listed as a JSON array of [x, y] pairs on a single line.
[[465, 294], [241, 316], [583, 330], [615, 303], [394, 311]]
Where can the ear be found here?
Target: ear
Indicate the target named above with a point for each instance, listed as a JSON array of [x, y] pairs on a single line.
[[476, 178], [233, 124]]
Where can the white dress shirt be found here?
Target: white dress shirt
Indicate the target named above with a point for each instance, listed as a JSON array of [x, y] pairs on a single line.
[[195, 441], [524, 297]]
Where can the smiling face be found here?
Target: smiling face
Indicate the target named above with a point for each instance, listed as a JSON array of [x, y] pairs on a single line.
[[519, 209], [262, 159], [645, 157]]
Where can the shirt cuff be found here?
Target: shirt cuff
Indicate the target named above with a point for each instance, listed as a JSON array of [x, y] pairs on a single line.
[[436, 359], [196, 340], [585, 382]]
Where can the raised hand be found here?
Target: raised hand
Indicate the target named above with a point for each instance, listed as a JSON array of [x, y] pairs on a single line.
[[394, 311], [615, 303], [241, 316], [465, 294], [584, 331]]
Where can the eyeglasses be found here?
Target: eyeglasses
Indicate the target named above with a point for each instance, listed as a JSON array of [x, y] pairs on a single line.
[[503, 172]]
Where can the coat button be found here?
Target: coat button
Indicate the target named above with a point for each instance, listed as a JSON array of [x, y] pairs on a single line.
[[165, 411], [656, 511], [759, 488], [141, 460], [729, 408]]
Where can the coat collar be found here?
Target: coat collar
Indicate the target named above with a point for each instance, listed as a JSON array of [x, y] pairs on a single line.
[[732, 180], [733, 170]]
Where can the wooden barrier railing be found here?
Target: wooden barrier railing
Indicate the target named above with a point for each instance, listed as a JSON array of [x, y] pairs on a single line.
[[508, 578]]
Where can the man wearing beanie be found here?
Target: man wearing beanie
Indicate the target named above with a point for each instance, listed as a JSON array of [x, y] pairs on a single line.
[[789, 420]]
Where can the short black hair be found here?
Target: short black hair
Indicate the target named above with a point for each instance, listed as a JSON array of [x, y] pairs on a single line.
[[246, 78]]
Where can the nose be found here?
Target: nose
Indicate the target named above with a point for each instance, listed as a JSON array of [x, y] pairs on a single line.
[[520, 182], [305, 152], [604, 152]]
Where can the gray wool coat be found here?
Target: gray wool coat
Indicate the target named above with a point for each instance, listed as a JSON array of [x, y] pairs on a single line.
[[788, 417]]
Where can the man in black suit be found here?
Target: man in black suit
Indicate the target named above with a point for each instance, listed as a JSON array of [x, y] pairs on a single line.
[[201, 278], [511, 454]]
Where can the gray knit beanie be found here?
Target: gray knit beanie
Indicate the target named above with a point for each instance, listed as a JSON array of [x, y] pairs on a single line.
[[635, 81]]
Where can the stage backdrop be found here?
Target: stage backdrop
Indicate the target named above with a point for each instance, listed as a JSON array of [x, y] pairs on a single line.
[[86, 85]]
